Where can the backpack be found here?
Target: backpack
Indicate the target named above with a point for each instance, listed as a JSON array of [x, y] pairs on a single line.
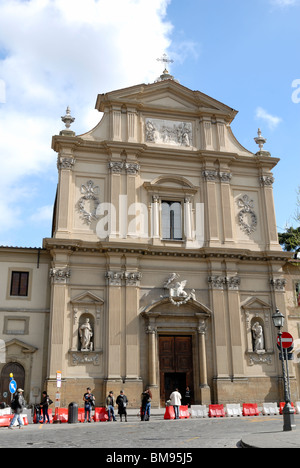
[[15, 403]]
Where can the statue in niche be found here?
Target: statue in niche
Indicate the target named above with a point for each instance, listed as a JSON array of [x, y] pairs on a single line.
[[85, 334], [258, 338]]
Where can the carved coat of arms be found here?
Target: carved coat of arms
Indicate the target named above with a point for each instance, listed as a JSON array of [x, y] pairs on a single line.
[[177, 294]]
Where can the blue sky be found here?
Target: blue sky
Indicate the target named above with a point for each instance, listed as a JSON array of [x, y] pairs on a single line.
[[55, 53]]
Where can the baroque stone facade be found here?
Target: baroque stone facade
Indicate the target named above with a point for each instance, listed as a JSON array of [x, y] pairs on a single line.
[[161, 185]]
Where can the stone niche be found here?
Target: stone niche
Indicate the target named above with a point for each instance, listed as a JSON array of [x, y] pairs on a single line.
[[87, 330]]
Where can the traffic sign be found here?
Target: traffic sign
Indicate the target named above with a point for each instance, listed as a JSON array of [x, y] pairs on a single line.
[[286, 340], [12, 386]]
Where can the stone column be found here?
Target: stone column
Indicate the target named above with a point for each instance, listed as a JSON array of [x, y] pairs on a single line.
[[115, 168], [204, 388], [188, 219], [132, 170], [269, 217], [155, 217], [57, 333], [237, 352], [65, 164], [152, 355], [216, 283], [114, 281], [210, 176]]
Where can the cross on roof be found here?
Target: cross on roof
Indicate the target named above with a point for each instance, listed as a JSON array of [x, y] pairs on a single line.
[[165, 59]]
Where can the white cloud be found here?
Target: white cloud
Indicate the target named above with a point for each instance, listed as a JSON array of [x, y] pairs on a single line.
[[271, 120], [55, 53], [284, 3], [43, 214]]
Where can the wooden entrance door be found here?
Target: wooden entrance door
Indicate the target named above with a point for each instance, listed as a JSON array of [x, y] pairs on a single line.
[[175, 365], [19, 376]]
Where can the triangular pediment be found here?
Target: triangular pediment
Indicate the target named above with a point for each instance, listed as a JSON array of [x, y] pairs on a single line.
[[255, 303], [87, 298], [25, 348], [165, 96]]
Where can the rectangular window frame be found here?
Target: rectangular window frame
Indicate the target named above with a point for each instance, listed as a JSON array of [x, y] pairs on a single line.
[[297, 292], [19, 283], [27, 273], [170, 201]]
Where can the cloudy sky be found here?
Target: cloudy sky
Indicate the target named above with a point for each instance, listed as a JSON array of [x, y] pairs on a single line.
[[55, 53]]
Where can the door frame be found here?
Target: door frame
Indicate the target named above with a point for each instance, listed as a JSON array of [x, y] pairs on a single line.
[[189, 372]]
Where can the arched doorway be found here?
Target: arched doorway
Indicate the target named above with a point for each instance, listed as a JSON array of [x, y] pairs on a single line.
[[19, 376]]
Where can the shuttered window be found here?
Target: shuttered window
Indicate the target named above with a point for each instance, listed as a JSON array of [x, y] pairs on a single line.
[[19, 283]]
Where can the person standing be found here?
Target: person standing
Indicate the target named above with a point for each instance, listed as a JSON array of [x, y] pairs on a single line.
[[88, 399], [110, 403], [175, 399], [45, 406], [187, 397], [122, 401], [17, 406], [146, 404]]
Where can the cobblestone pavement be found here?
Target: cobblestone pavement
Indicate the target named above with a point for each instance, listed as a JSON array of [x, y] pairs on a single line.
[[156, 434]]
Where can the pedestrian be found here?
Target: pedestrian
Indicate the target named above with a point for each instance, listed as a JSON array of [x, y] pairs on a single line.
[[146, 405], [187, 397], [122, 401], [45, 406], [175, 398], [17, 406], [89, 403], [110, 403]]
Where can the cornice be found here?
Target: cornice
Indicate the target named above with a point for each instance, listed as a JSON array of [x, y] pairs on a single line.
[[143, 249]]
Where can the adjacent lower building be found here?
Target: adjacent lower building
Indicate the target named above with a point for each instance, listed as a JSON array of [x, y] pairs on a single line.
[[164, 267]]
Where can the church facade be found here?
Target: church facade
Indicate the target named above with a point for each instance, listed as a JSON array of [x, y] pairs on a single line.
[[164, 267]]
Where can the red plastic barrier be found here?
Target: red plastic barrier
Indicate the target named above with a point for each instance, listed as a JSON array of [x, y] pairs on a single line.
[[42, 417], [100, 415], [61, 415], [5, 420], [250, 409], [81, 415], [216, 411], [169, 413], [184, 412], [282, 405]]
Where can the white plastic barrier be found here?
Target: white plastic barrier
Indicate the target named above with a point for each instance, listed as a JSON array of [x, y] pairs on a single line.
[[199, 411], [297, 406], [5, 411], [270, 409], [234, 410]]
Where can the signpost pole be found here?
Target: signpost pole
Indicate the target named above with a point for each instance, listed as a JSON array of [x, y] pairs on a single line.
[[57, 397], [288, 412]]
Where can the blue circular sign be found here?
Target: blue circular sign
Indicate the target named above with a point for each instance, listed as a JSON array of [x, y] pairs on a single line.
[[12, 386]]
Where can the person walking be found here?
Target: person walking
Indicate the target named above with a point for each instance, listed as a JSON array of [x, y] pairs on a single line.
[[45, 406], [110, 403], [146, 404], [89, 400], [175, 399], [17, 406], [122, 401]]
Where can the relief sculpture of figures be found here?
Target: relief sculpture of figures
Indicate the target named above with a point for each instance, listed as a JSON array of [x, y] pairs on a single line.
[[86, 333], [168, 132], [258, 337]]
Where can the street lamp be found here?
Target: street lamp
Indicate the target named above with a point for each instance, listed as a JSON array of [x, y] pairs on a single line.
[[288, 412]]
